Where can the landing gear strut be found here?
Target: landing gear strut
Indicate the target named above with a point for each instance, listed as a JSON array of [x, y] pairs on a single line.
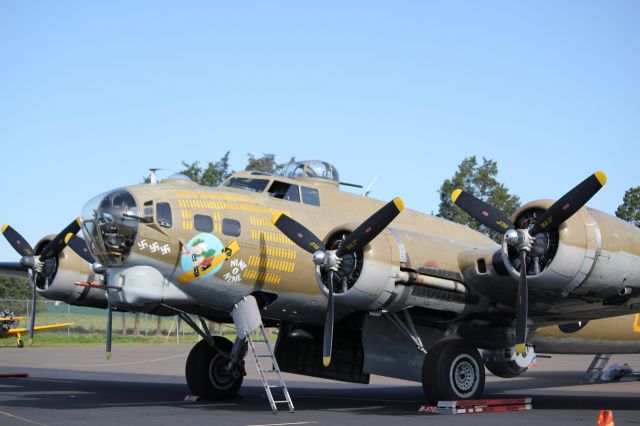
[[452, 370]]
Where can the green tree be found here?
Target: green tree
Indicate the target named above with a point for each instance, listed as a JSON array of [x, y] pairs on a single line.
[[212, 175], [266, 163], [629, 210], [16, 290], [479, 180]]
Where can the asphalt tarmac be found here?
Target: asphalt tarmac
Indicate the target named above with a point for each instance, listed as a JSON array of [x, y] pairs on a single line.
[[144, 385]]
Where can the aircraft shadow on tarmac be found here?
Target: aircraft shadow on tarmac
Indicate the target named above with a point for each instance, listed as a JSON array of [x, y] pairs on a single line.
[[71, 394]]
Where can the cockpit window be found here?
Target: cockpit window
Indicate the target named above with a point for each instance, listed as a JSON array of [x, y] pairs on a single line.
[[163, 213], [310, 196], [248, 184], [284, 191]]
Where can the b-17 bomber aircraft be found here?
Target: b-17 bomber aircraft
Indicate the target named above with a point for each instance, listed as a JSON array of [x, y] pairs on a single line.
[[356, 286]]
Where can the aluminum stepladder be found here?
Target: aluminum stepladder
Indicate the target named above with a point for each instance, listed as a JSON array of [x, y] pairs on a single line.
[[247, 319], [594, 371]]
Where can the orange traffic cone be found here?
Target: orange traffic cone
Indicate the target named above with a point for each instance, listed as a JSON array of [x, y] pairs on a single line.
[[605, 418]]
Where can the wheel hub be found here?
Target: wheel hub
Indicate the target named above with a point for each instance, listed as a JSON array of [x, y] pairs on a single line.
[[218, 373], [464, 375]]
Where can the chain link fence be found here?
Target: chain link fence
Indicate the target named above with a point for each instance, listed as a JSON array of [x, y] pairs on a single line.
[[91, 321]]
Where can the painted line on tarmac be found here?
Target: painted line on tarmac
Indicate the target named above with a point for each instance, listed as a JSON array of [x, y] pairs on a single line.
[[133, 404], [146, 361], [38, 364], [286, 424], [22, 419], [359, 399]]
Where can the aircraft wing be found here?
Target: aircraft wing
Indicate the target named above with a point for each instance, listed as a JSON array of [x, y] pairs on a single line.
[[39, 328], [13, 269]]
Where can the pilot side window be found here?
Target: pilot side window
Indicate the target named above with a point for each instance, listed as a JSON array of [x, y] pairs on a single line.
[[248, 184], [310, 196], [163, 213], [203, 223], [284, 191]]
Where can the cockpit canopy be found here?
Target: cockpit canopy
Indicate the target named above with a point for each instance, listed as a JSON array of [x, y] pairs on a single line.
[[311, 169]]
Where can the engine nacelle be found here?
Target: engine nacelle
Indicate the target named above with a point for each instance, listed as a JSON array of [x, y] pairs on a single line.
[[367, 280], [60, 275], [591, 253], [142, 289]]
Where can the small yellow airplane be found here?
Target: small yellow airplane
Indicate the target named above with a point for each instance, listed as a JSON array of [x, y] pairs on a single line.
[[8, 321]]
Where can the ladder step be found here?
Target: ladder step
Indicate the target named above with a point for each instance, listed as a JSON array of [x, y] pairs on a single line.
[[276, 386], [270, 371], [281, 402], [259, 341]]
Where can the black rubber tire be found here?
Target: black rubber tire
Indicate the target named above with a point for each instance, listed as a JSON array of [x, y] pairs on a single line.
[[507, 370], [452, 370], [205, 375]]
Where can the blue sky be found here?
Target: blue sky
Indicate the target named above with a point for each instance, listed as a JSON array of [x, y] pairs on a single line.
[[92, 94]]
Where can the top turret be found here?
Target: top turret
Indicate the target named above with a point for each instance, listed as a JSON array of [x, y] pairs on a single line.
[[311, 169]]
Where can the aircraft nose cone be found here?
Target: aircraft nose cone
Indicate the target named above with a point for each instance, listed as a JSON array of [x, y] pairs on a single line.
[[110, 223]]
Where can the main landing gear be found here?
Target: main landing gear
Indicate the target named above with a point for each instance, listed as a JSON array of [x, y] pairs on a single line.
[[209, 373], [452, 370], [215, 366]]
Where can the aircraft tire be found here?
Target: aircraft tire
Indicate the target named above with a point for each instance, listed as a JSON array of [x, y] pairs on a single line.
[[205, 373], [452, 370], [504, 369]]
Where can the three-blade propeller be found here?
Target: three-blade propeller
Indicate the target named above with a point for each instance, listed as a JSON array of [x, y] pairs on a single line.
[[522, 239], [329, 260], [37, 264]]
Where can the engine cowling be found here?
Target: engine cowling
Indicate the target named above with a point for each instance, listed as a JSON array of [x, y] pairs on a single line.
[[591, 253], [57, 282], [366, 280]]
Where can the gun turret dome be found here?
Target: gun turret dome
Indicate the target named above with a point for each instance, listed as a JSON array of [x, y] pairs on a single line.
[[311, 169]]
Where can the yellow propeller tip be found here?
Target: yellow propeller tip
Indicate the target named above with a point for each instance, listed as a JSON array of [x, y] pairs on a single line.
[[326, 361], [455, 194], [108, 356], [275, 217], [399, 203], [67, 237], [520, 348], [601, 176], [79, 221], [4, 227]]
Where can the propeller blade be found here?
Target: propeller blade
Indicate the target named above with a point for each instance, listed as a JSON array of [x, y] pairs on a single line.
[[58, 243], [32, 320], [16, 240], [522, 305], [79, 246], [570, 203], [484, 213], [370, 228], [297, 233], [109, 328], [327, 340]]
